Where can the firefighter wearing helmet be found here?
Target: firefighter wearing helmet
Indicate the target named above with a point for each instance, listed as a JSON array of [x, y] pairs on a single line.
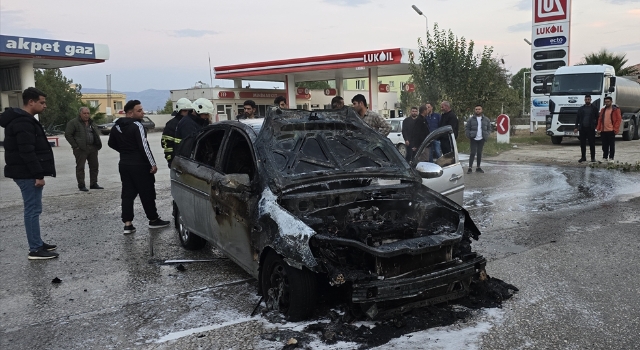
[[198, 119], [181, 108]]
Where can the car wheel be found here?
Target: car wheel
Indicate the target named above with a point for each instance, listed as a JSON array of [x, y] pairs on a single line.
[[402, 149], [635, 135], [556, 140], [188, 240], [291, 291], [628, 135]]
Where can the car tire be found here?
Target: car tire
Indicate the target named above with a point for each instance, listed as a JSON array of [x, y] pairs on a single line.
[[636, 135], [556, 140], [188, 240], [402, 148], [291, 291]]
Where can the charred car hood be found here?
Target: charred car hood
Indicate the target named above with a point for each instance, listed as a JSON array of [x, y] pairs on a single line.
[[302, 147]]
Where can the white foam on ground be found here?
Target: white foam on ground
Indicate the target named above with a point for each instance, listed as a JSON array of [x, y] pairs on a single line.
[[454, 337], [187, 332]]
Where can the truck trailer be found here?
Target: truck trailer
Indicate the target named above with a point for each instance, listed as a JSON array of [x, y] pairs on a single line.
[[567, 92]]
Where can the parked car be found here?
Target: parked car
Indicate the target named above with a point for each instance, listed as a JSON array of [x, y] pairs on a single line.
[[296, 200], [396, 135], [147, 123]]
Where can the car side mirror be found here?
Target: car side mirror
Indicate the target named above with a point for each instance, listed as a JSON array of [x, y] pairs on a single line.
[[235, 182], [429, 170]]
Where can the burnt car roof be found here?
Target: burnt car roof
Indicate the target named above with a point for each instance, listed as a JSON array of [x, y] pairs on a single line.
[[301, 146]]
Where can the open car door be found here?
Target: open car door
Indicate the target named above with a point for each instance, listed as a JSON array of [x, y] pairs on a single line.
[[451, 183]]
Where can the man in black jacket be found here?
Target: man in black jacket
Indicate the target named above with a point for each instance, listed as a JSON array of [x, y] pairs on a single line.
[[182, 108], [29, 158], [414, 131], [137, 166], [586, 122], [448, 117]]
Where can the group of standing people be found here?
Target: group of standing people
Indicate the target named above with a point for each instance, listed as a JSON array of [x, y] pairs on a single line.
[[423, 121], [29, 158], [606, 122]]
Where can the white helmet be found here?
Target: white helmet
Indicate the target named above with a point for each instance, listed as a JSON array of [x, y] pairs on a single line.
[[203, 106], [182, 104]]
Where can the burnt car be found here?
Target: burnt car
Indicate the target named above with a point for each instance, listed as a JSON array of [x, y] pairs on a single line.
[[147, 123], [318, 197]]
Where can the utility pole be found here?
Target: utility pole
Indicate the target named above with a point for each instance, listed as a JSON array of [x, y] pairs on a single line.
[[108, 108]]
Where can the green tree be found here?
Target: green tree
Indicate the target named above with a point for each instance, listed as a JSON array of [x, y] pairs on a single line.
[[63, 101], [447, 68], [168, 107], [314, 85], [408, 100], [517, 79], [617, 61]]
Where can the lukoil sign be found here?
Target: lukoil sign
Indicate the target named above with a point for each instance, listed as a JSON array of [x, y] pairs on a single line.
[[553, 29], [550, 10], [45, 47], [378, 57]]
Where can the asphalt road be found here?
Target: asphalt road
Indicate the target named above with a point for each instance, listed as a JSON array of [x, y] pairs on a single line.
[[567, 237]]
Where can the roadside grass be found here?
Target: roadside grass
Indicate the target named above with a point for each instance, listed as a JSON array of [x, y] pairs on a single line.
[[493, 148], [617, 166]]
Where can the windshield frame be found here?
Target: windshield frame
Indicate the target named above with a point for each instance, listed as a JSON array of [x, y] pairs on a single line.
[[557, 80], [291, 125]]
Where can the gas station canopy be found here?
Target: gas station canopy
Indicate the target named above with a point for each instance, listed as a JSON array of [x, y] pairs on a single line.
[[46, 53], [389, 62], [365, 64], [20, 55]]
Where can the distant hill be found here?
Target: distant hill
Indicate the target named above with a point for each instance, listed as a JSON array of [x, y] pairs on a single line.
[[151, 99]]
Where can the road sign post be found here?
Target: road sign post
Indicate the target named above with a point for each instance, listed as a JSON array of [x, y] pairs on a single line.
[[503, 125]]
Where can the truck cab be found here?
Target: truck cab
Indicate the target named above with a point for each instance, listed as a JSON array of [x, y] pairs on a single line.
[[567, 92]]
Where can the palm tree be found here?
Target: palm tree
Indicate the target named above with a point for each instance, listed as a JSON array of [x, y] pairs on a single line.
[[617, 61]]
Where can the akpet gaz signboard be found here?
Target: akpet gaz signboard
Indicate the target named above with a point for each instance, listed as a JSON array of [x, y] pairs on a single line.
[[52, 48], [550, 36]]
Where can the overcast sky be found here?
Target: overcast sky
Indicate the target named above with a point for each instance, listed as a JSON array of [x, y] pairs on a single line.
[[165, 44]]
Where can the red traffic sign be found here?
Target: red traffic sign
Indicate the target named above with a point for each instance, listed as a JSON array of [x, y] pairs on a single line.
[[502, 124]]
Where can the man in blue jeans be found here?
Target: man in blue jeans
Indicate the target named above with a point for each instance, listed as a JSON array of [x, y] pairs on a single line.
[[29, 158], [477, 130]]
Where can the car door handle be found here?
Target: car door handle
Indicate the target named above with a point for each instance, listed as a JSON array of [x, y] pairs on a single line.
[[178, 171], [455, 177]]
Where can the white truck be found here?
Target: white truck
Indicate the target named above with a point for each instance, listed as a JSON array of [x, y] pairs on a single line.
[[571, 84]]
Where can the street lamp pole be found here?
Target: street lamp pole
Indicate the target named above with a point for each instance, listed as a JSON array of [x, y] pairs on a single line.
[[415, 8]]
